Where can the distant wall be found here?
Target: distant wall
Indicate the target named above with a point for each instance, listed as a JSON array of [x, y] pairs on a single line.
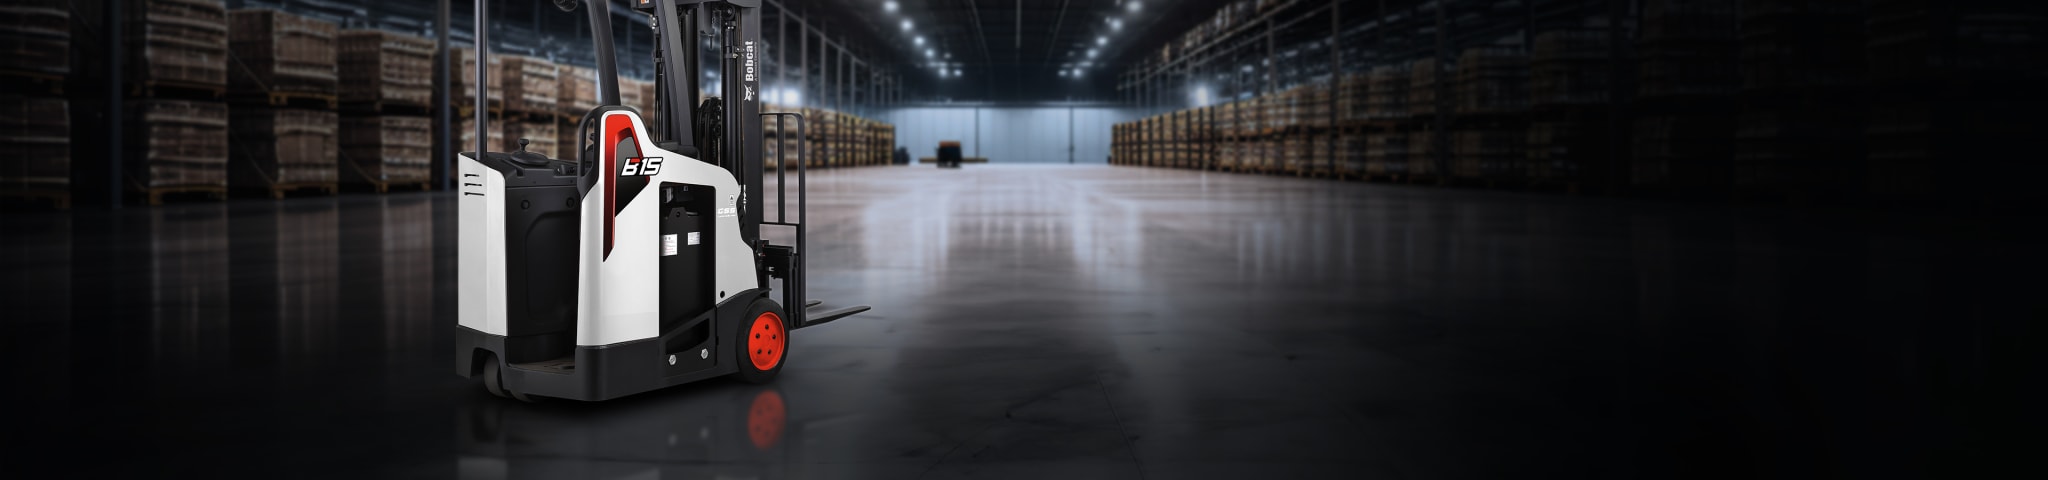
[[1010, 134]]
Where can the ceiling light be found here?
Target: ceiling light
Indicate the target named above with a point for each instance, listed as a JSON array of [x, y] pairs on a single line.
[[1116, 24], [920, 39], [1136, 5], [956, 72], [949, 56], [906, 25], [1101, 40], [927, 53], [889, 6], [1091, 53]]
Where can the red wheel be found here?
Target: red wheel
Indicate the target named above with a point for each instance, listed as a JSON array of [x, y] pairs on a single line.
[[763, 343], [766, 340]]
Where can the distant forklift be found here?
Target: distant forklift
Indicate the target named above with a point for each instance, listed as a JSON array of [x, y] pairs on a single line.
[[638, 263], [949, 154]]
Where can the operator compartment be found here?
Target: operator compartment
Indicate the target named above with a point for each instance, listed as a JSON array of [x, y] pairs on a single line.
[[541, 205]]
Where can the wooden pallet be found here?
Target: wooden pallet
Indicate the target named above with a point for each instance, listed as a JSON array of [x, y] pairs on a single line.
[[167, 89], [154, 196], [388, 187], [21, 81], [277, 191], [388, 107], [317, 101], [31, 198]]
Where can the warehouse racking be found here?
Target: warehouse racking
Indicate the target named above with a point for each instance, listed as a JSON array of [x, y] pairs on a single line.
[[221, 94], [1761, 100]]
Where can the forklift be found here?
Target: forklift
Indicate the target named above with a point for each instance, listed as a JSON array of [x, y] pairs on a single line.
[[638, 263]]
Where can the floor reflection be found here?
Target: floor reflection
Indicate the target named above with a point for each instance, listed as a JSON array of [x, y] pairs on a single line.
[[717, 430], [1037, 322]]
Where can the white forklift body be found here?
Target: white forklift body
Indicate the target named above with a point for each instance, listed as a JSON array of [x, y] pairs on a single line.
[[637, 262]]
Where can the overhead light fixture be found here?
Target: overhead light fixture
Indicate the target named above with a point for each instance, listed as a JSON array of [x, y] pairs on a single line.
[[927, 53], [906, 25], [1091, 53], [949, 56], [1137, 5], [889, 6], [920, 39], [956, 72], [1116, 24], [1100, 40]]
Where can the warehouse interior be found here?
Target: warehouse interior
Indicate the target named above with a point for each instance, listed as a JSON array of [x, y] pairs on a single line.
[[1100, 238]]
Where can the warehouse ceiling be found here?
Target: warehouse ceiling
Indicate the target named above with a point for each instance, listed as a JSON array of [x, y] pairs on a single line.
[[1022, 50]]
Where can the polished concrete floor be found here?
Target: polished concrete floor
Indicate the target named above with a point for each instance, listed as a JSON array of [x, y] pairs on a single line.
[[1074, 322]]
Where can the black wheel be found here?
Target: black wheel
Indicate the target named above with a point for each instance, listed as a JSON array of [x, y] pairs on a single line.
[[494, 382], [763, 345]]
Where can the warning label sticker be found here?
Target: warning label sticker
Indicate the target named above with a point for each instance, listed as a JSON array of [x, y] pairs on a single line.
[[668, 243], [693, 238]]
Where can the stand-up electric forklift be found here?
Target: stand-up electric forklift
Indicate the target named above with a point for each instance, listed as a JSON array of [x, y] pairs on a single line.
[[638, 263]]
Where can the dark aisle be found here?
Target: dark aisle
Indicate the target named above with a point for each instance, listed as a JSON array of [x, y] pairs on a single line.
[[1075, 322]]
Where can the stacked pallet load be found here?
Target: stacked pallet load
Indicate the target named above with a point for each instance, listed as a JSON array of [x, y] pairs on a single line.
[[178, 146], [1312, 111], [531, 85], [36, 133], [1489, 100], [36, 42], [1422, 88], [1803, 67], [382, 71], [1385, 126], [464, 92], [1349, 150], [535, 134], [1119, 144], [281, 59], [1353, 92], [278, 150], [1386, 155], [284, 133], [36, 39], [386, 88], [820, 128], [1569, 95], [1423, 161], [575, 95], [177, 47], [1386, 96], [386, 151], [1682, 141], [465, 131], [1422, 104], [1349, 100], [1955, 90]]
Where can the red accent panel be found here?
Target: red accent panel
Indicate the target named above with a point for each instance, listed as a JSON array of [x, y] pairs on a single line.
[[613, 124]]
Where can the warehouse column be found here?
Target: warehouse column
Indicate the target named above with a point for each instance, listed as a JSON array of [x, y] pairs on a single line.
[[1439, 144], [1336, 86], [114, 118], [444, 143], [781, 63], [483, 61]]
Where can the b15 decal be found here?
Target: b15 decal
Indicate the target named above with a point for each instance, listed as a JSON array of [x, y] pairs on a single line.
[[641, 166]]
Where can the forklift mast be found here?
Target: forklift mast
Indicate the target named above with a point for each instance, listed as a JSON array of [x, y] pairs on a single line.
[[726, 35]]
